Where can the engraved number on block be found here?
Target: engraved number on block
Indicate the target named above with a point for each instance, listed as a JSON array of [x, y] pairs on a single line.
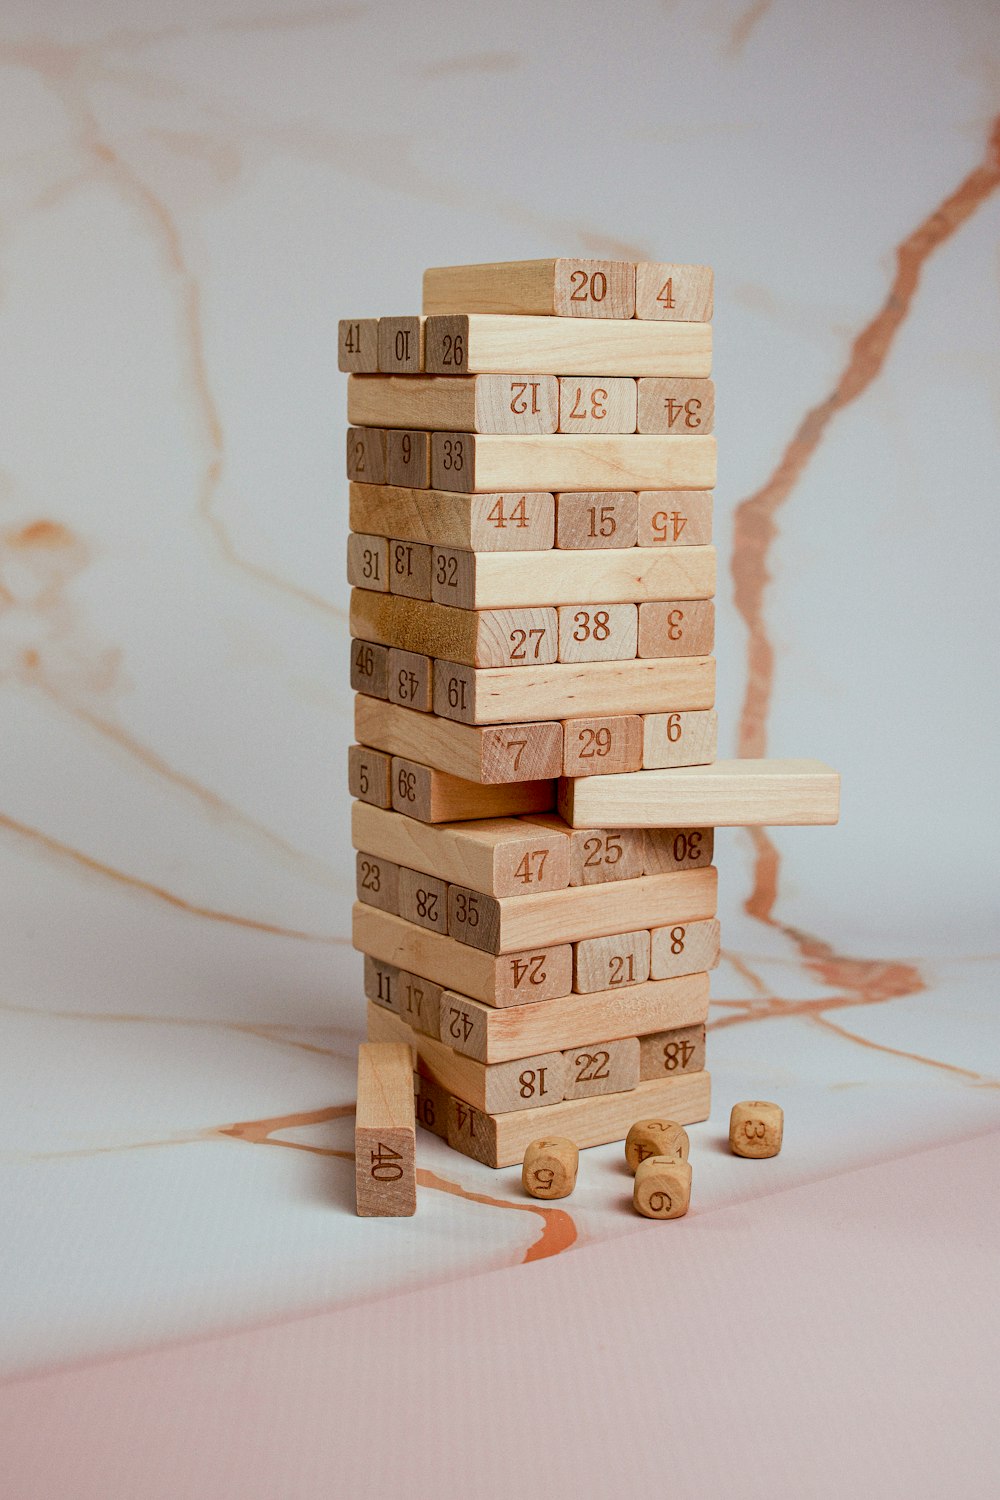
[[467, 908], [591, 1066], [407, 685], [602, 520], [673, 728], [687, 845], [592, 288], [664, 519], [598, 408], [425, 1111], [532, 969], [665, 296], [452, 456], [543, 1177], [426, 904], [406, 785], [447, 571], [521, 642], [453, 349], [369, 557], [456, 693], [386, 1164], [520, 403], [465, 1117], [371, 876], [687, 409], [352, 342], [602, 849], [460, 1024], [518, 746], [532, 1081], [594, 626], [594, 742], [621, 969], [364, 659], [677, 935], [526, 873], [677, 1055], [518, 517]]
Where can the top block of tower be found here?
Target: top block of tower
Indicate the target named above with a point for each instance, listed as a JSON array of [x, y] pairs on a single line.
[[564, 288]]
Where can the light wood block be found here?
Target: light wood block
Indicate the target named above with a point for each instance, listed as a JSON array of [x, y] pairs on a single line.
[[683, 739], [492, 580], [507, 695], [683, 948], [600, 747], [419, 1003], [656, 1138], [410, 570], [498, 1035], [423, 900], [674, 518], [384, 1132], [431, 1103], [366, 455], [594, 403], [682, 406], [608, 963], [357, 344], [605, 632], [370, 667], [662, 1054], [480, 638], [676, 849], [408, 458], [381, 983], [677, 628], [466, 403], [369, 775], [368, 562], [598, 855], [604, 1068], [549, 1168], [377, 882], [591, 461], [728, 794], [562, 287], [401, 346], [435, 797], [465, 344], [494, 756], [513, 979], [662, 1188], [518, 521], [595, 520], [410, 680], [675, 292], [756, 1128]]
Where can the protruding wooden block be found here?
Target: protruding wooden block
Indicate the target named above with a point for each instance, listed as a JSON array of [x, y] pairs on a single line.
[[562, 287], [368, 562], [674, 518], [662, 1188], [408, 458], [608, 963], [673, 292], [591, 461], [419, 1003], [755, 1128], [366, 455], [382, 984], [517, 521], [730, 793], [505, 754], [677, 849], [410, 570], [571, 690], [595, 403], [401, 345], [677, 628], [549, 1168], [601, 632], [479, 638], [431, 1104], [681, 739], [410, 680], [683, 948], [604, 1068], [656, 1137], [370, 668], [600, 747], [682, 406], [594, 520], [500, 856], [664, 1053], [357, 344], [464, 344], [463, 403], [385, 1127], [378, 882], [483, 580], [423, 900], [368, 775]]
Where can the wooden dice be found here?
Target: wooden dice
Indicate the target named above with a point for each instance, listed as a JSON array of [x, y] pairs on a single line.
[[550, 1167], [755, 1128], [655, 1138], [662, 1188]]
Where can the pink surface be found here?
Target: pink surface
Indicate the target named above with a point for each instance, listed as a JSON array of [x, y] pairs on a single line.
[[804, 1344]]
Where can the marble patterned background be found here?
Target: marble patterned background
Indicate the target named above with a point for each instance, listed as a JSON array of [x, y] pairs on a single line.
[[190, 196]]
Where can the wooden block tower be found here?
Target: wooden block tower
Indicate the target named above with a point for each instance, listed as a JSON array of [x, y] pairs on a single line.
[[531, 464]]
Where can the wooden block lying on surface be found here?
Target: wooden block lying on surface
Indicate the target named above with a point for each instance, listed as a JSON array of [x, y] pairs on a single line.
[[518, 521], [662, 1188], [630, 575], [508, 753], [480, 638], [408, 458], [597, 403], [410, 680], [605, 632], [684, 739], [673, 292], [674, 518], [728, 794], [368, 775], [594, 520], [366, 454], [602, 1068], [410, 576], [608, 963], [756, 1127], [549, 1168], [675, 849], [602, 747], [465, 344], [592, 461], [561, 287], [662, 1054], [466, 403], [683, 948], [357, 344], [507, 695], [384, 1132], [677, 628], [680, 406], [431, 796], [378, 882], [400, 346], [368, 562], [370, 667]]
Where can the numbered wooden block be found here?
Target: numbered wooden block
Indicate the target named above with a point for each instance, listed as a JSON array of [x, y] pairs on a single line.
[[423, 900], [576, 690], [502, 754], [608, 963], [674, 518], [401, 345], [664, 1053], [602, 747], [593, 520], [410, 570], [682, 739], [677, 628], [683, 948], [728, 794], [673, 292], [357, 344], [608, 1068], [460, 344], [483, 580], [682, 406], [525, 1084], [418, 1003], [433, 797], [591, 403], [385, 1127], [677, 849], [410, 680], [477, 638], [549, 1168], [656, 1137], [603, 632], [502, 522], [369, 775], [382, 984], [473, 461], [368, 562], [602, 854], [408, 459], [370, 668], [562, 287], [662, 1188], [431, 1104], [366, 454], [463, 403], [378, 882], [474, 918], [755, 1128]]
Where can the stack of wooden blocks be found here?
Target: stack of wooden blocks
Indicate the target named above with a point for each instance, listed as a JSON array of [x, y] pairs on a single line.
[[531, 465]]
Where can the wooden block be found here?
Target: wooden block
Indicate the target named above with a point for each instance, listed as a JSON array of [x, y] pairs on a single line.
[[484, 580], [562, 287], [401, 345], [382, 984], [378, 882], [410, 680], [682, 406], [591, 461], [518, 521], [410, 570], [466, 403], [677, 628], [598, 855], [594, 520], [501, 1140], [408, 458], [513, 979], [656, 1137], [366, 454], [523, 753], [604, 1068], [505, 695], [498, 1035], [683, 948], [598, 747], [662, 1054], [674, 518], [419, 1003], [608, 963], [435, 797], [423, 899], [357, 344], [384, 1131], [605, 632], [368, 562], [549, 1168], [462, 344], [593, 403], [431, 1105], [662, 1188], [368, 775], [728, 794], [755, 1128], [370, 667], [481, 638], [684, 739], [681, 293], [676, 849]]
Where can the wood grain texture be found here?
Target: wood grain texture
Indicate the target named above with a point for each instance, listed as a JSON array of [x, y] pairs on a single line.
[[409, 575], [597, 403], [509, 695], [609, 963], [368, 562], [423, 900], [675, 849], [685, 739], [503, 755], [602, 746], [677, 628], [683, 948], [474, 461], [366, 454], [418, 1003], [357, 344], [368, 775], [515, 521], [464, 344], [729, 793], [665, 1054], [384, 1132], [601, 1068], [464, 403], [595, 520], [493, 580], [410, 680], [681, 406], [401, 346], [672, 518], [408, 458], [478, 638], [435, 797], [664, 291], [561, 287], [377, 882], [603, 632]]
